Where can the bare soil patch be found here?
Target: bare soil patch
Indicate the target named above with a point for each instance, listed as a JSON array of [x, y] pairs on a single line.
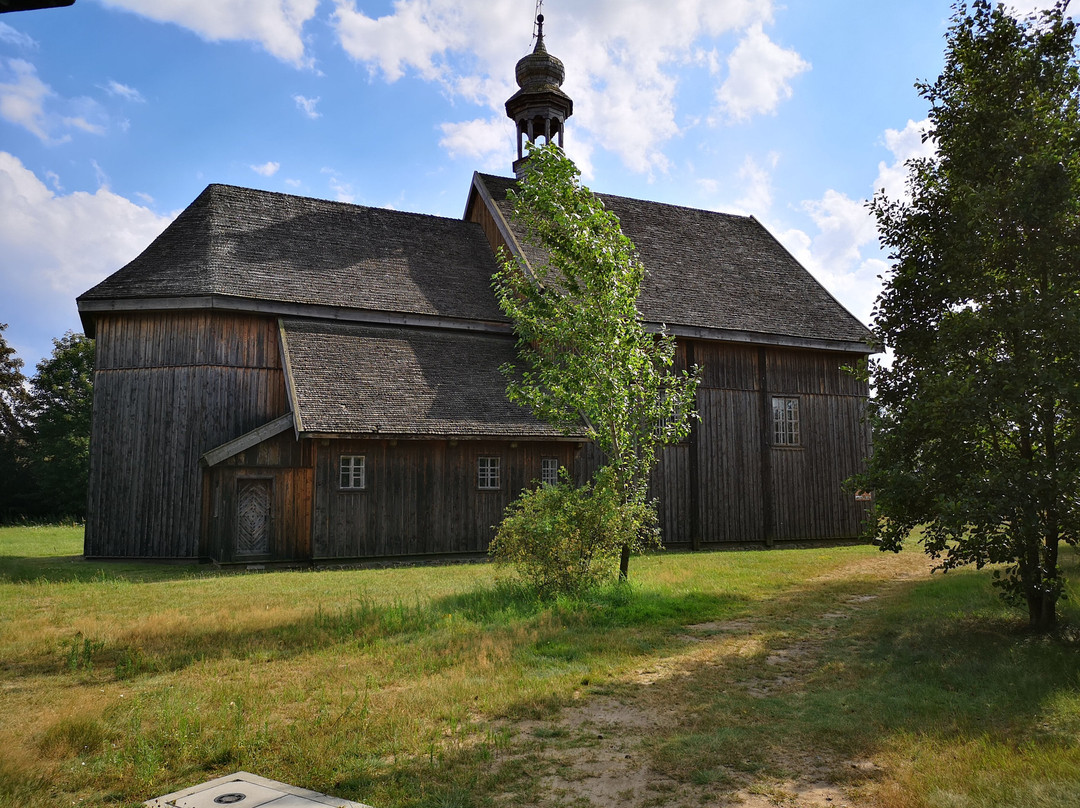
[[596, 752]]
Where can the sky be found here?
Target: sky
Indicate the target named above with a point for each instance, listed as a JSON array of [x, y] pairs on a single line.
[[116, 114]]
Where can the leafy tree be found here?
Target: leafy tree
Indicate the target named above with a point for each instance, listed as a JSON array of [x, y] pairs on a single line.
[[61, 394], [586, 357], [13, 399], [977, 419]]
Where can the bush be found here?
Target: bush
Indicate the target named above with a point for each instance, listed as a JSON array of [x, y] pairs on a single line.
[[563, 538]]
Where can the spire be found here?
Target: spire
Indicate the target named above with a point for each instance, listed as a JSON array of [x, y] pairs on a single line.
[[539, 107], [539, 35]]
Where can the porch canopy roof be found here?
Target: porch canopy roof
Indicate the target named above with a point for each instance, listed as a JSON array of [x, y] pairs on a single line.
[[355, 379]]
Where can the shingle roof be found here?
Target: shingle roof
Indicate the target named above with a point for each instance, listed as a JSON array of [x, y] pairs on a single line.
[[275, 247], [350, 378], [705, 270], [718, 271]]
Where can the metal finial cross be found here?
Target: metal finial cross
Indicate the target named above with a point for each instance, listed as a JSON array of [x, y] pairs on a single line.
[[538, 20]]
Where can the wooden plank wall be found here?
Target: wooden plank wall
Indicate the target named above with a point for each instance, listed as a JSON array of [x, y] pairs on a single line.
[[421, 496], [287, 463], [810, 500], [754, 492], [169, 386], [748, 491], [732, 508], [480, 214]]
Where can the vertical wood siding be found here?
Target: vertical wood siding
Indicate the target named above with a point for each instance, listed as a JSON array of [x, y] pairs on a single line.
[[421, 497], [802, 495], [171, 386], [732, 509], [167, 388], [480, 214], [287, 464], [805, 498]]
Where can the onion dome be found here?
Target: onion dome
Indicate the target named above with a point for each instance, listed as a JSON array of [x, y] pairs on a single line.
[[539, 107]]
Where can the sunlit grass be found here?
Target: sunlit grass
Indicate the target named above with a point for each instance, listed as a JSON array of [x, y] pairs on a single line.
[[121, 682]]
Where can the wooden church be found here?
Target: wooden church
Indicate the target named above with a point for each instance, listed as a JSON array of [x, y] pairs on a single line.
[[284, 379]]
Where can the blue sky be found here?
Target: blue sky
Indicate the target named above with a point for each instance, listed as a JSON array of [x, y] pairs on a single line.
[[115, 114]]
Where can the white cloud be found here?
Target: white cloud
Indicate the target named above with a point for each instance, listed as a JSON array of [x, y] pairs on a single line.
[[905, 144], [623, 60], [1021, 8], [413, 36], [119, 90], [56, 246], [343, 191], [267, 169], [79, 122], [758, 192], [482, 139], [854, 284], [844, 253], [710, 58], [845, 226], [580, 150], [99, 173], [759, 76], [277, 25], [13, 36], [27, 101], [307, 106], [22, 97]]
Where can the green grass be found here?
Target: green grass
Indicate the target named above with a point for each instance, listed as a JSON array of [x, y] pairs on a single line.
[[443, 686]]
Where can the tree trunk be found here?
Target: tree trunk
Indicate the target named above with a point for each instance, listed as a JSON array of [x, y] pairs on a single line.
[[1042, 611], [624, 563]]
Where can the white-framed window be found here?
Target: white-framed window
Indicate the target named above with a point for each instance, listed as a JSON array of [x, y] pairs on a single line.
[[353, 473], [785, 417], [549, 470], [487, 473]]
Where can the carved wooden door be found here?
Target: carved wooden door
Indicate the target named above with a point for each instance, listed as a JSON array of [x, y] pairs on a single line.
[[253, 518]]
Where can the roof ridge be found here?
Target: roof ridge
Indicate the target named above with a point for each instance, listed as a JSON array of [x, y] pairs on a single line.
[[604, 195], [742, 278], [323, 201]]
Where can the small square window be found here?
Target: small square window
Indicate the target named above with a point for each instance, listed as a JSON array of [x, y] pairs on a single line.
[[549, 470], [487, 473], [352, 473], [785, 413]]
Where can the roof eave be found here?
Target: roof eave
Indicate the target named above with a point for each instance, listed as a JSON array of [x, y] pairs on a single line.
[[248, 440], [89, 307], [458, 436], [759, 338]]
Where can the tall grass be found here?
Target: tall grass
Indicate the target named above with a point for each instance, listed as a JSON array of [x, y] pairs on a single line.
[[121, 682]]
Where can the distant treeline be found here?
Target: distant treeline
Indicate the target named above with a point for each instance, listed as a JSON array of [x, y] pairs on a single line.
[[45, 432]]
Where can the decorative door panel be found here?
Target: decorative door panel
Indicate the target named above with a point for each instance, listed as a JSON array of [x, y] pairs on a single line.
[[253, 519]]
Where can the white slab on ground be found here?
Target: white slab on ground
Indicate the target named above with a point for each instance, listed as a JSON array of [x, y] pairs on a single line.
[[246, 790]]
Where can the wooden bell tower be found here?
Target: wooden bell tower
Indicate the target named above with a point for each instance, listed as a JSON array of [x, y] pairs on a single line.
[[539, 108]]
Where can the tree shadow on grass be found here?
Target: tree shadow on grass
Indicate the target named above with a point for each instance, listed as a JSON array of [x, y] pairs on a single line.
[[76, 569], [613, 606], [936, 660], [569, 630]]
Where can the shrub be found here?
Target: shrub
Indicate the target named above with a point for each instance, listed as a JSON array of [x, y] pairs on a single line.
[[563, 538]]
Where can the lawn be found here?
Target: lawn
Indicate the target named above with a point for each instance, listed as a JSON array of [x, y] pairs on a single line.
[[835, 676]]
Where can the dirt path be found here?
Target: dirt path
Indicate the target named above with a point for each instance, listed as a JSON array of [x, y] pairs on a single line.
[[597, 752]]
